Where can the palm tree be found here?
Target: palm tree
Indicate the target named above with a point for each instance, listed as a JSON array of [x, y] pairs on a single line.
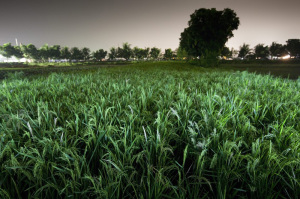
[[244, 50]]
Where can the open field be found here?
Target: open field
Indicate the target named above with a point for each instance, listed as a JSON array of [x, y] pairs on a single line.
[[291, 71], [32, 71], [285, 69], [149, 130]]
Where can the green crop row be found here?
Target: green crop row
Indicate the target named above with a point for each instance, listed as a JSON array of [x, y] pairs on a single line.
[[150, 130]]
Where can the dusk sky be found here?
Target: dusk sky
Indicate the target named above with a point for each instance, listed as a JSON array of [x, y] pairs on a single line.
[[143, 23]]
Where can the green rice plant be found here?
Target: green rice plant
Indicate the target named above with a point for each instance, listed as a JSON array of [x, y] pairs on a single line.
[[149, 130]]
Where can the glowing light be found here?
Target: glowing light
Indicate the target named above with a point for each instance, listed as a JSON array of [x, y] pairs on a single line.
[[286, 57]]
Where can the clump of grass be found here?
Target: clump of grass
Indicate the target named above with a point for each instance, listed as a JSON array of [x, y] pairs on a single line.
[[15, 75], [150, 130]]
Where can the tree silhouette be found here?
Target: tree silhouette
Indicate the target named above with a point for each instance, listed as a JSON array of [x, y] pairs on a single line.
[[208, 31]]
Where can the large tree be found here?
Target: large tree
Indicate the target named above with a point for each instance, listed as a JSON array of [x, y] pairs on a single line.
[[113, 53], [7, 50], [99, 54], [125, 52], [50, 52], [168, 53], [261, 51], [55, 52], [244, 50], [137, 52], [141, 53], [30, 52], [208, 30], [293, 46], [18, 52], [86, 53], [76, 54], [276, 50], [44, 52], [65, 53], [154, 52], [146, 52]]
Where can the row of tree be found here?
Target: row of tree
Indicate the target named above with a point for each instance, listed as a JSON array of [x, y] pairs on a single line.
[[56, 52], [46, 53], [126, 52], [261, 51]]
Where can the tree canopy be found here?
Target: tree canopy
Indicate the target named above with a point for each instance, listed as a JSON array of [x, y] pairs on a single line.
[[7, 50], [226, 52], [99, 54], [168, 53], [125, 52], [86, 53], [208, 30], [18, 52], [244, 50], [44, 52], [261, 51], [65, 53], [276, 50], [76, 54], [30, 52], [55, 52], [140, 53], [137, 52], [182, 54], [293, 46], [154, 52], [113, 53]]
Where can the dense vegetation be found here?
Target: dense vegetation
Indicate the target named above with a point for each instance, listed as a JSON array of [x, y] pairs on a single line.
[[207, 32], [56, 53], [150, 131]]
